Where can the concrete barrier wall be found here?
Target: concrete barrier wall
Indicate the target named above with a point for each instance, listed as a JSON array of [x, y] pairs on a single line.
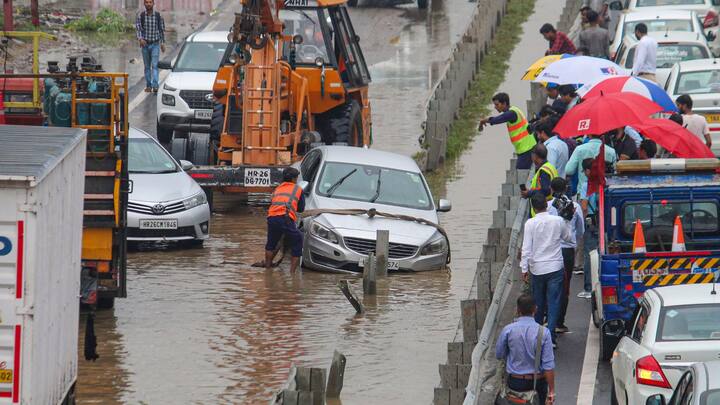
[[451, 91], [471, 366]]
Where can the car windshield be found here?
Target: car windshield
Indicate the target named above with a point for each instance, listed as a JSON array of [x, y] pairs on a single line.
[[659, 25], [711, 397], [397, 187], [200, 57], [700, 82], [146, 156], [307, 25], [697, 217], [656, 3], [690, 322], [670, 54]]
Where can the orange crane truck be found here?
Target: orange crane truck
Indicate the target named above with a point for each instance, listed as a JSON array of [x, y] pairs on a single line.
[[293, 76]]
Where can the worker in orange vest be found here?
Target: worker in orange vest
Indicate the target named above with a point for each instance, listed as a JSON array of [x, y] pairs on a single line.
[[287, 201]]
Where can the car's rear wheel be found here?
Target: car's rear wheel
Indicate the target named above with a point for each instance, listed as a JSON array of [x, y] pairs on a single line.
[[199, 149], [604, 354], [178, 148], [595, 311], [613, 397]]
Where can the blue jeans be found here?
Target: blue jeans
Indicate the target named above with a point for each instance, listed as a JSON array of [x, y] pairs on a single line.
[[547, 291], [151, 55], [590, 243]]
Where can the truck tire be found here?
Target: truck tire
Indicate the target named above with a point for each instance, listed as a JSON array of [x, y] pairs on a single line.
[[217, 122], [178, 148], [422, 4], [199, 149], [345, 125], [603, 353], [106, 302], [595, 314], [164, 136]]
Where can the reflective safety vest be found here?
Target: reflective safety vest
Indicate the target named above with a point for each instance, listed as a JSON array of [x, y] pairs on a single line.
[[285, 200], [535, 183], [520, 137]]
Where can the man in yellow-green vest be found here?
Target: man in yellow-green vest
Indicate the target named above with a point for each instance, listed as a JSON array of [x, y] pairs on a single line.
[[545, 172], [517, 126]]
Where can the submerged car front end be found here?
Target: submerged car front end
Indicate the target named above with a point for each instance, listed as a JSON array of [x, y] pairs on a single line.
[[341, 243]]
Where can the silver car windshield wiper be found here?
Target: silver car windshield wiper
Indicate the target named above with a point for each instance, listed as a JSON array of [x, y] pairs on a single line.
[[377, 188], [340, 181], [154, 171]]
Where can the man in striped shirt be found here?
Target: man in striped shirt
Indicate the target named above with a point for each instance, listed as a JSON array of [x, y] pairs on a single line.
[[150, 29]]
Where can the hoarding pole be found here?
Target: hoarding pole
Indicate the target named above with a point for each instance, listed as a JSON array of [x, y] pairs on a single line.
[[34, 13], [8, 11]]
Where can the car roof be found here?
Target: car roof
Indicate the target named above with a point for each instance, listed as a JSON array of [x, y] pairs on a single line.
[[208, 36], [686, 294], [372, 157], [699, 64], [658, 13]]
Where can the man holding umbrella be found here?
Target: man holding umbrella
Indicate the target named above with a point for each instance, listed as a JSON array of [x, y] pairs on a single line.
[[517, 126]]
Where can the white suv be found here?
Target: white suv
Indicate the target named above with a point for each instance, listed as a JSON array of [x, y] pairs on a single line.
[[185, 102]]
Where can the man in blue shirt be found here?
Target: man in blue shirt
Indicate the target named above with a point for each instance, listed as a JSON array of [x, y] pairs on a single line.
[[588, 150], [557, 149], [517, 345]]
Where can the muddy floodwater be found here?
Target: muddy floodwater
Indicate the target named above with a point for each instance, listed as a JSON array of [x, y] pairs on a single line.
[[203, 326]]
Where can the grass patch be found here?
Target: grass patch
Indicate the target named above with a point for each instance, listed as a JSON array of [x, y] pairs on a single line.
[[491, 73], [105, 21]]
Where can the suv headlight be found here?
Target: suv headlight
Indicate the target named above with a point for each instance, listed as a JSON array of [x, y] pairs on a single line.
[[194, 201], [435, 247], [168, 88], [323, 233], [168, 99]]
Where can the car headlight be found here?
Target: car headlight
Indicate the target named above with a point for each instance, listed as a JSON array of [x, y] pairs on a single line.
[[168, 99], [435, 247], [168, 88], [194, 201], [323, 233]]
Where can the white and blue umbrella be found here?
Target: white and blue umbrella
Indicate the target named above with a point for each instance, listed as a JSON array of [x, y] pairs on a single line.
[[579, 70], [629, 84]]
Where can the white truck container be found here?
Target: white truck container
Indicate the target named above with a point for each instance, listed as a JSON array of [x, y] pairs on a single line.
[[42, 174]]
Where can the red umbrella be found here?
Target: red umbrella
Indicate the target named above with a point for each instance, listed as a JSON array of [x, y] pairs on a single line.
[[597, 115], [674, 138]]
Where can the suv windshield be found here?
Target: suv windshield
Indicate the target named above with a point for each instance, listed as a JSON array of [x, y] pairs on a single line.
[[146, 156], [670, 54], [658, 3], [701, 82], [659, 25], [690, 322], [697, 217], [200, 57], [397, 187]]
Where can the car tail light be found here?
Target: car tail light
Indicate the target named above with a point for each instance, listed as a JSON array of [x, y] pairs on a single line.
[[201, 175], [648, 372], [609, 295]]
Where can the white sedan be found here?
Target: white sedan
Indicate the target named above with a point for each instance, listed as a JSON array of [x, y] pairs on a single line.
[[700, 79], [701, 7], [672, 328]]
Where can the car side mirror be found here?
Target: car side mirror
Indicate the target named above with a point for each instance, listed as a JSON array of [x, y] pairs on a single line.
[[710, 36], [444, 206], [186, 165], [657, 399], [304, 185], [612, 331], [165, 65]]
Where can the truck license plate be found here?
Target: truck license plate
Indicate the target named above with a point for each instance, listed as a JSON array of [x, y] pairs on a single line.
[[158, 224], [639, 275], [392, 265], [203, 114], [257, 177], [6, 376]]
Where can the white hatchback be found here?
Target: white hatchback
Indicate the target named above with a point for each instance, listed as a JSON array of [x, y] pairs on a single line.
[[701, 7], [672, 328]]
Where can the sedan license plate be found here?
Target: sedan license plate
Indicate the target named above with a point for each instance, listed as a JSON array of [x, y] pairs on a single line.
[[712, 118], [257, 178], [203, 114], [6, 376], [158, 224], [392, 265]]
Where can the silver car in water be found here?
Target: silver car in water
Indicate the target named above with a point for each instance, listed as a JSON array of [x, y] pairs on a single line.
[[165, 203], [341, 177]]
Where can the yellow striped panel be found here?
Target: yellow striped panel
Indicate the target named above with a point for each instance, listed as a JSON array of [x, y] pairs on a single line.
[[633, 264], [711, 263], [708, 278], [680, 278], [653, 280], [645, 264], [694, 278], [665, 280], [660, 263], [678, 263], [699, 262]]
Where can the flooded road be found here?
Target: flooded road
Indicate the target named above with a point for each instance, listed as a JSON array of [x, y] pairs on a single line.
[[202, 326]]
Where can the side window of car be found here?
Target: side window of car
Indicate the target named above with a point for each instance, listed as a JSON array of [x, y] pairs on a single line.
[[307, 164], [640, 323]]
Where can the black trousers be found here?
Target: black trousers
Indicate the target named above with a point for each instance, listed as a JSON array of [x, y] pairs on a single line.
[[568, 264], [519, 384]]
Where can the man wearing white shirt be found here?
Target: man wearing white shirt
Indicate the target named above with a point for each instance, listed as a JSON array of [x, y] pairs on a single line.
[[571, 212], [542, 261], [645, 62]]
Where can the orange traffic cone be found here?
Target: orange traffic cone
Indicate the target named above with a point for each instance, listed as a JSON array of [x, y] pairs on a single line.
[[639, 238], [678, 243]]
